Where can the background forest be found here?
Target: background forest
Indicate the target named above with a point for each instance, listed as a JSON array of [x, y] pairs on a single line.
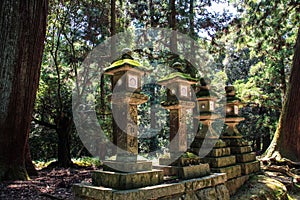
[[251, 41]]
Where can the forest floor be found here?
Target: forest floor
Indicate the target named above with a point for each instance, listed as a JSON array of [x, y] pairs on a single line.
[[56, 183], [53, 183]]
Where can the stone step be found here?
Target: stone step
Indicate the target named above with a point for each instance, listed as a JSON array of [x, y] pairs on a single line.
[[236, 142], [250, 167], [187, 172], [209, 143], [123, 181], [234, 184], [219, 152], [219, 161], [231, 171], [240, 150], [247, 157], [118, 166]]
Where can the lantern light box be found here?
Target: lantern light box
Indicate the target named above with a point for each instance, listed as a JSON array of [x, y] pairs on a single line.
[[126, 73]]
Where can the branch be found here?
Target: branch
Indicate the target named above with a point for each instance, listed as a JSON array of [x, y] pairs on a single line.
[[43, 123]]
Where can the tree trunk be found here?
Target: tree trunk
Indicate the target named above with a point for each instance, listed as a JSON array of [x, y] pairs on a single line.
[[286, 140], [266, 142], [64, 129], [28, 162], [173, 42], [113, 27], [22, 28]]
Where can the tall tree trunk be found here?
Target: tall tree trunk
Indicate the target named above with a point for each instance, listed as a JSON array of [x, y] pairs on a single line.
[[286, 141], [113, 26], [173, 42], [22, 28], [28, 162], [64, 129]]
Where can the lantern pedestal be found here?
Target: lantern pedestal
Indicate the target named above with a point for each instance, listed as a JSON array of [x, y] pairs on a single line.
[[178, 135], [231, 130]]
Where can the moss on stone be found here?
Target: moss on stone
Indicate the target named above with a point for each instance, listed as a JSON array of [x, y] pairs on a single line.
[[119, 63], [179, 75]]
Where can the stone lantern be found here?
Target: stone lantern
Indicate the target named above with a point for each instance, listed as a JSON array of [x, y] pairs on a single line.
[[232, 114], [206, 136], [178, 101], [206, 101], [181, 163], [126, 75], [126, 171]]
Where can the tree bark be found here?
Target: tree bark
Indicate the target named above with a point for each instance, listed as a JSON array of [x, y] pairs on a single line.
[[22, 28], [64, 129], [173, 42], [286, 140], [28, 162]]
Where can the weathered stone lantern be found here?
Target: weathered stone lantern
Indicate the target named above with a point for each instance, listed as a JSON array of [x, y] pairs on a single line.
[[178, 101], [126, 75], [232, 114], [182, 163], [126, 171], [206, 101]]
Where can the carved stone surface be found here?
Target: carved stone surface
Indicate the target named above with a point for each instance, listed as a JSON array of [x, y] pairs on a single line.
[[125, 128], [178, 128]]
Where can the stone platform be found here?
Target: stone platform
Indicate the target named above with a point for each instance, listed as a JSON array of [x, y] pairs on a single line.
[[233, 156], [245, 157], [206, 188], [118, 166], [187, 172], [123, 181]]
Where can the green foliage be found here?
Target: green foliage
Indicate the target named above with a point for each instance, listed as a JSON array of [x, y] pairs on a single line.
[[87, 161]]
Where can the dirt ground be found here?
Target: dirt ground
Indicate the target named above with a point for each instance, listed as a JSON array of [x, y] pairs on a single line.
[[50, 184]]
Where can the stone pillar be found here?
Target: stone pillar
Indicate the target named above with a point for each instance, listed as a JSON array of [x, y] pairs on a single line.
[[178, 129], [126, 133], [126, 130]]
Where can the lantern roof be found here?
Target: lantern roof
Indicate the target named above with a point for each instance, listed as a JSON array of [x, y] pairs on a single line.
[[178, 76], [205, 93], [130, 63]]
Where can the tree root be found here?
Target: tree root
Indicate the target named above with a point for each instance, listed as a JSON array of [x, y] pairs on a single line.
[[282, 165]]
